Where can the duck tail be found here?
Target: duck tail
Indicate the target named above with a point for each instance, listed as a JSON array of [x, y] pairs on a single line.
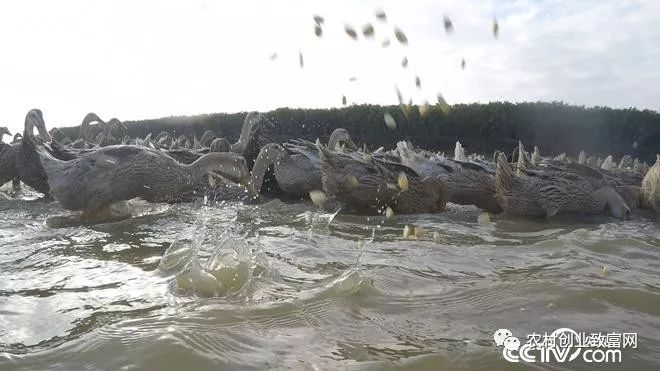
[[504, 174], [45, 153], [459, 152], [324, 153], [408, 156], [403, 149], [582, 158], [523, 160]]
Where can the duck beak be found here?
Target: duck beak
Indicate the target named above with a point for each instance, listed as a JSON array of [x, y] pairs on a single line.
[[38, 122], [267, 121], [351, 145], [45, 136]]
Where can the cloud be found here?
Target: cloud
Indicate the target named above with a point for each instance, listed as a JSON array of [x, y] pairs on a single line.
[[156, 58]]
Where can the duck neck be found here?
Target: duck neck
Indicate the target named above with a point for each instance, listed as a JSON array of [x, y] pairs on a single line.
[[107, 130], [335, 138], [228, 165], [29, 128], [268, 155], [249, 122], [243, 140], [202, 166], [247, 132], [505, 177], [84, 129], [41, 129], [237, 147]]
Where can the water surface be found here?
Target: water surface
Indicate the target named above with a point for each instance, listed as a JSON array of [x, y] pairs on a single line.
[[311, 295]]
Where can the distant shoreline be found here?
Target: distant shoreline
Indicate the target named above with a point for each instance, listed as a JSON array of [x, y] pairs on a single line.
[[554, 127]]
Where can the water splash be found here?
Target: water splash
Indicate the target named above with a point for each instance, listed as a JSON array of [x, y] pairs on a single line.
[[226, 270], [176, 257], [317, 218]]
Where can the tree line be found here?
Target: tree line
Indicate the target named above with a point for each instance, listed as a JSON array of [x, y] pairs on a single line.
[[554, 127]]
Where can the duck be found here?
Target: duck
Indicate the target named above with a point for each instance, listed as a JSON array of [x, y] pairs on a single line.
[[296, 173], [626, 162], [363, 184], [105, 137], [28, 164], [252, 137], [18, 137], [163, 140], [126, 139], [97, 180], [546, 193], [8, 162], [614, 177], [219, 145], [465, 183], [84, 136], [207, 138], [247, 145], [4, 131], [296, 165], [58, 135]]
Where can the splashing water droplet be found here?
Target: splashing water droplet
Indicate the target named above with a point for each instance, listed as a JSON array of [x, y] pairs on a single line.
[[389, 213], [358, 261]]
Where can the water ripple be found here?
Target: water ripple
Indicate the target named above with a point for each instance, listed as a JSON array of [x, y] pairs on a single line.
[[321, 291]]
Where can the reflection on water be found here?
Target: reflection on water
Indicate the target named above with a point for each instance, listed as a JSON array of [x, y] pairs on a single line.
[[302, 289]]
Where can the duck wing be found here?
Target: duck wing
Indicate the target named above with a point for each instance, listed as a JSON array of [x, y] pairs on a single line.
[[102, 178], [184, 156]]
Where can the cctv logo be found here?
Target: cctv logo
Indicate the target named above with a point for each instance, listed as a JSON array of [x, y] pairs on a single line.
[[513, 351]]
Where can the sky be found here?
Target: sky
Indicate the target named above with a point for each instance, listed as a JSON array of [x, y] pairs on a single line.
[[147, 59]]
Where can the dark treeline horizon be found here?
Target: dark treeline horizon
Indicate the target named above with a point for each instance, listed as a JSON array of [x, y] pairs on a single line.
[[554, 127]]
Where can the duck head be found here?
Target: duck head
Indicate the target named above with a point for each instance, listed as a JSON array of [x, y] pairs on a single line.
[[35, 119]]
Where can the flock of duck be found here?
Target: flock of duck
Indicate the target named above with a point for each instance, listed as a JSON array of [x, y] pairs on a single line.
[[93, 175]]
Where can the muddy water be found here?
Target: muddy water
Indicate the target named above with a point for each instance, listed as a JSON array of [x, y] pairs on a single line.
[[305, 293]]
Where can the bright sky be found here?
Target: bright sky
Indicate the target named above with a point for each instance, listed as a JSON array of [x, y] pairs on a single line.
[[147, 59]]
